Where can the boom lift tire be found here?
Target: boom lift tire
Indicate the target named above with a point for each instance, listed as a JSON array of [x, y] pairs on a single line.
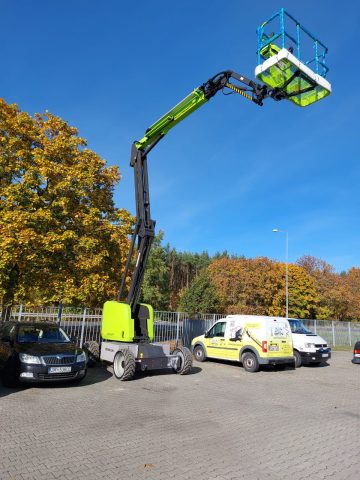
[[124, 365], [92, 350], [199, 353], [185, 362], [250, 362]]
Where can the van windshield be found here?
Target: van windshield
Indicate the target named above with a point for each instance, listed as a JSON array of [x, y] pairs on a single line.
[[298, 327]]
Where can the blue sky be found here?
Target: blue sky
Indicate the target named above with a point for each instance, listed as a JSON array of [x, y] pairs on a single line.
[[232, 171]]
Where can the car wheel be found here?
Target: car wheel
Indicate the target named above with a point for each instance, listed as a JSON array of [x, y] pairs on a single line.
[[297, 359], [124, 365], [92, 351], [250, 362], [199, 353], [185, 360]]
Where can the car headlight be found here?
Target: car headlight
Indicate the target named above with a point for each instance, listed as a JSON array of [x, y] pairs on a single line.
[[30, 359], [81, 357], [309, 345]]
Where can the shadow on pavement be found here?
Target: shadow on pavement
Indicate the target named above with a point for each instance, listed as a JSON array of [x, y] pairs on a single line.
[[315, 365], [161, 373], [94, 375], [5, 391], [263, 368]]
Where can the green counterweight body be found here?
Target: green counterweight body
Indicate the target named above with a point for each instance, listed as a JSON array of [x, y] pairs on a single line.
[[118, 325]]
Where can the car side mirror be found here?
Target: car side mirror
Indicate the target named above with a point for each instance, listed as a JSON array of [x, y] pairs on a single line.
[[206, 335], [237, 337]]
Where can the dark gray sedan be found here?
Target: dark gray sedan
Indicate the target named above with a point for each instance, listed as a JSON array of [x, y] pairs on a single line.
[[38, 352]]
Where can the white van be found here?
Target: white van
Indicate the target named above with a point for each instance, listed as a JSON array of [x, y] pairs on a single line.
[[308, 346], [249, 339]]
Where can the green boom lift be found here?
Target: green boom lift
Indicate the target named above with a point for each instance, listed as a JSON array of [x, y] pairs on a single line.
[[127, 328]]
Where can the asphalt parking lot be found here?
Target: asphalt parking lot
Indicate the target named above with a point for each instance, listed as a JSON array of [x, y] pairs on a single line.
[[217, 423]]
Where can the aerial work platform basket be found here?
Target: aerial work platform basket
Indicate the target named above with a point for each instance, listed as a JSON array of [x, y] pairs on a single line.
[[291, 60]]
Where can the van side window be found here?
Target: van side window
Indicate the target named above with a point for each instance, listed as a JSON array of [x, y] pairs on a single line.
[[218, 330]]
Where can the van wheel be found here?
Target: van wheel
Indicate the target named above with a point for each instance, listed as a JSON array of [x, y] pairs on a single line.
[[250, 362], [199, 353], [297, 359]]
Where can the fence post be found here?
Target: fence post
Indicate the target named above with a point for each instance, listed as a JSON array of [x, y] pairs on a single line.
[[59, 313], [333, 332], [177, 327], [82, 328], [315, 326], [20, 313], [350, 342]]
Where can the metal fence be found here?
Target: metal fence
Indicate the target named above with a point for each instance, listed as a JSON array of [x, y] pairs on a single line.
[[84, 324]]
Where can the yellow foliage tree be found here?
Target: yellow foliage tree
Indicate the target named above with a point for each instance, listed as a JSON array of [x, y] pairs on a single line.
[[303, 297], [257, 287], [61, 237]]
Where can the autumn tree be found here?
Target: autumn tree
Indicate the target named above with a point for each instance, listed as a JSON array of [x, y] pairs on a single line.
[[302, 295], [352, 280], [257, 287], [336, 299], [61, 238], [246, 286]]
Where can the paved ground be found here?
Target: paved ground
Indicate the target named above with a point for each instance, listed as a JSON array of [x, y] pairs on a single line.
[[218, 423]]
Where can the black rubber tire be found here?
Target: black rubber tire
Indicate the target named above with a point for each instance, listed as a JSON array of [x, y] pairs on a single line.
[[250, 362], [298, 361], [92, 350], [185, 364], [199, 353], [9, 379], [124, 365]]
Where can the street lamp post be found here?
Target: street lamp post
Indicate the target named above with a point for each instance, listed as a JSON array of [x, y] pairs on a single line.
[[286, 268]]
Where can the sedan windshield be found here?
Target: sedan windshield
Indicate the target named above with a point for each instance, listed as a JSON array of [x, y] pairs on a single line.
[[298, 327], [41, 334]]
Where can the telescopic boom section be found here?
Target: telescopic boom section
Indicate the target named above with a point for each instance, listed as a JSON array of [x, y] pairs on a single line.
[[145, 227]]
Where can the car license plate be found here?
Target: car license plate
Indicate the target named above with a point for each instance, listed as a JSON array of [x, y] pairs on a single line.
[[59, 369], [273, 348], [325, 355]]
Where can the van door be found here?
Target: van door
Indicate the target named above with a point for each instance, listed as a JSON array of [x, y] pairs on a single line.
[[233, 339], [215, 341], [279, 338]]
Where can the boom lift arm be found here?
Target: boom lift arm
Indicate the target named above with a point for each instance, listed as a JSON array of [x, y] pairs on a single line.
[[144, 231]]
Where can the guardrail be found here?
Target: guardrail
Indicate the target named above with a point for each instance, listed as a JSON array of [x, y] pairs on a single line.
[[85, 323]]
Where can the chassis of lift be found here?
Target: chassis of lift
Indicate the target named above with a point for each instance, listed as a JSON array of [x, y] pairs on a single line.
[[130, 357]]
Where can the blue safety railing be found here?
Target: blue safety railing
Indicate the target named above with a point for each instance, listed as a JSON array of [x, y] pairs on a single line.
[[281, 21]]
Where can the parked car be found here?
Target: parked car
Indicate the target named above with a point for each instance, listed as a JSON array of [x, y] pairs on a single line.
[[38, 352], [356, 357], [308, 346], [249, 339]]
